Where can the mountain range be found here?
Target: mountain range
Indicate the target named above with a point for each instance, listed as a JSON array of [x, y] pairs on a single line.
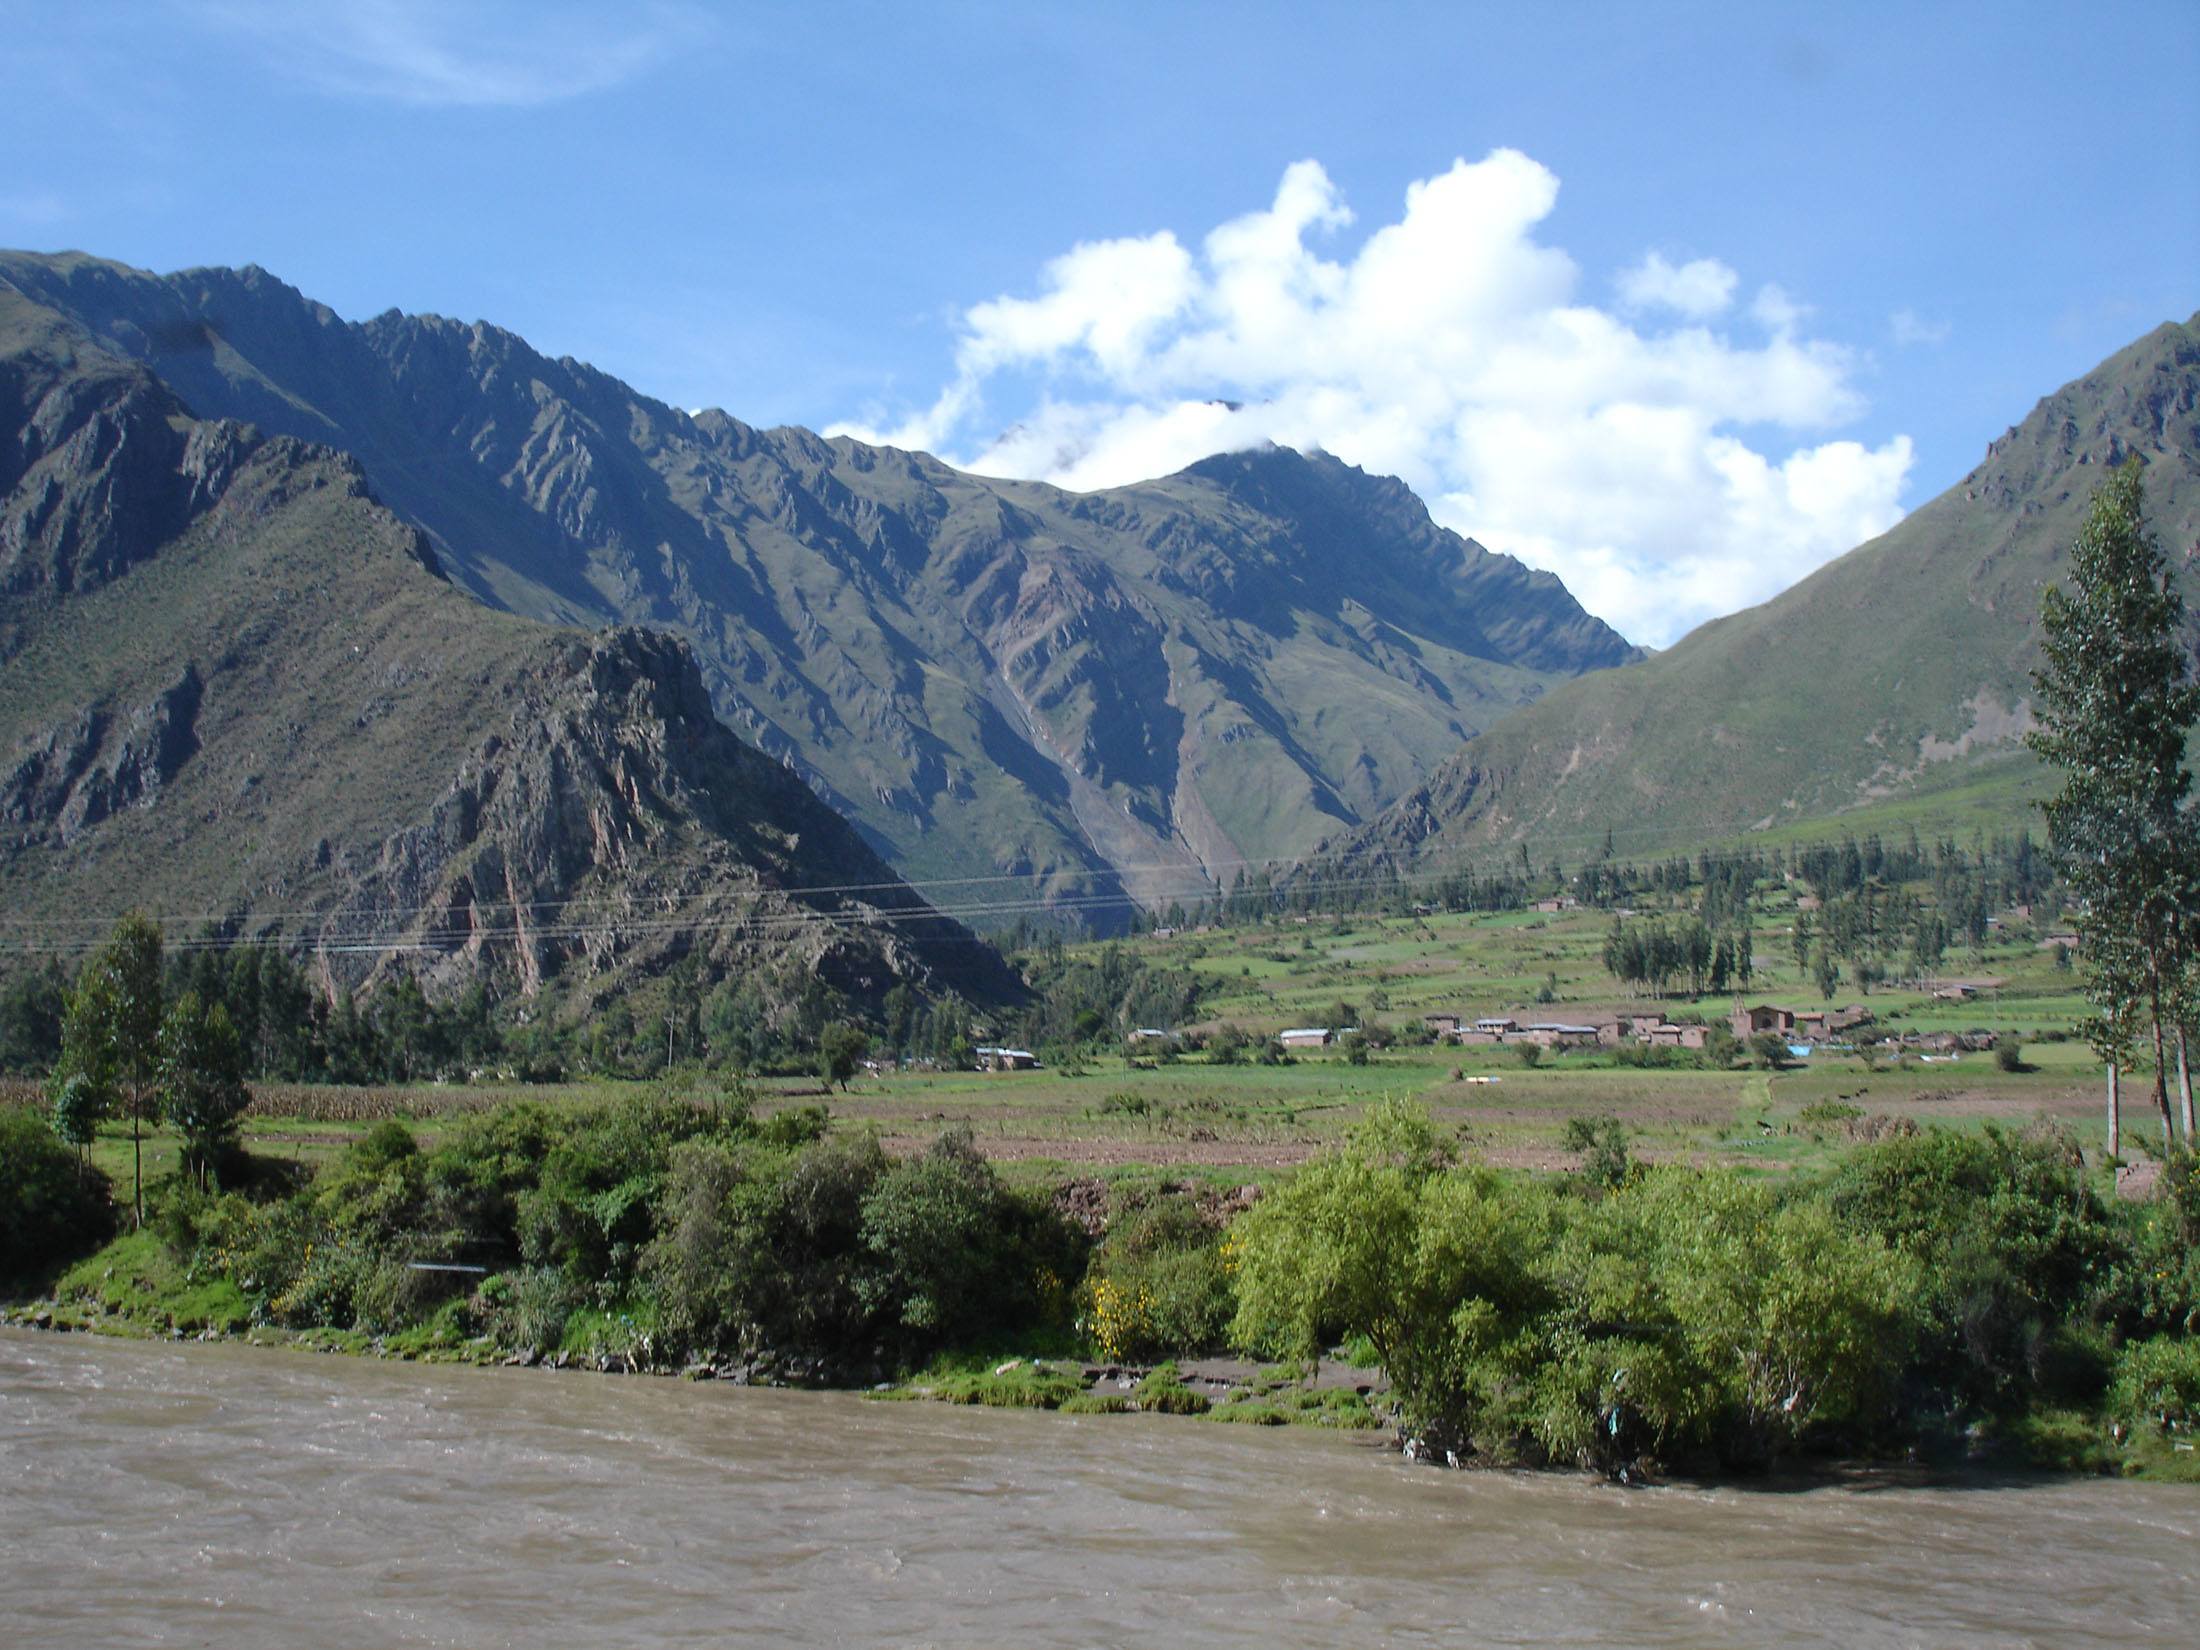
[[1123, 691], [236, 689], [1893, 682], [399, 632]]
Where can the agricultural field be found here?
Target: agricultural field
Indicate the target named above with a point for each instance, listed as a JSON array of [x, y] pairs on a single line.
[[1118, 1115]]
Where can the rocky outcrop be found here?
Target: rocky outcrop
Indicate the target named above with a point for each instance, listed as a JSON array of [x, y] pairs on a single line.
[[70, 778], [614, 825]]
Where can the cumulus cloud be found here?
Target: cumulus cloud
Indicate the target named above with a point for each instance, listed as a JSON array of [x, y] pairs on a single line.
[[1697, 289], [1671, 459], [478, 53]]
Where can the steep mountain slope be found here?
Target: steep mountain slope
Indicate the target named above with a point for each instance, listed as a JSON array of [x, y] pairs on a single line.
[[1898, 671], [234, 688], [1128, 688]]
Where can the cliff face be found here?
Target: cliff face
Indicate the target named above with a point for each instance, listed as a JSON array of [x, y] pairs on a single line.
[[1899, 673], [238, 692], [1133, 689]]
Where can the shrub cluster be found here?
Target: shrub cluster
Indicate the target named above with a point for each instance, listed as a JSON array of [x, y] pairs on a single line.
[[1695, 1315], [1159, 1283], [53, 1206], [679, 1230]]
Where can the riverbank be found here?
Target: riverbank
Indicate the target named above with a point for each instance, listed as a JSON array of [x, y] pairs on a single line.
[[1627, 1319], [1332, 1395]]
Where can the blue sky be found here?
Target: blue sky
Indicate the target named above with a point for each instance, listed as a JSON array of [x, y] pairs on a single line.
[[1711, 293]]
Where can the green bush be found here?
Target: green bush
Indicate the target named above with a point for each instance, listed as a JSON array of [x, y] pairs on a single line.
[[1688, 1310], [835, 1254], [52, 1208], [1434, 1265], [1602, 1143], [2157, 1387], [2011, 1237], [2154, 1284], [1694, 1315], [952, 1255], [1164, 1261]]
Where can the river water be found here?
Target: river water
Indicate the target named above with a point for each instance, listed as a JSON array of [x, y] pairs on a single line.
[[239, 1497]]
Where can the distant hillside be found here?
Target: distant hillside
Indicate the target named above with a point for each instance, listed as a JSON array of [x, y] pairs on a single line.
[[1893, 677], [1130, 688], [236, 690]]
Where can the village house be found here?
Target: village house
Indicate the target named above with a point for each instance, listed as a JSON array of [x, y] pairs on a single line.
[[991, 1058], [1491, 1028], [1306, 1037], [1798, 1025], [1149, 1034], [1748, 1022], [1444, 1025], [1664, 1034], [1552, 1034]]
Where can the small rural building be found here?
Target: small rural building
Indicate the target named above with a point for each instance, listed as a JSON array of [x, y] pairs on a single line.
[[1444, 1025], [1149, 1034], [1306, 1037], [1007, 1059], [1551, 1034], [1747, 1022], [1664, 1034], [1491, 1028], [1956, 993]]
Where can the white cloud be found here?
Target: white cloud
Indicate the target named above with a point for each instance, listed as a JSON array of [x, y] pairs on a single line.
[[1910, 328], [482, 53], [1697, 289], [1778, 313], [1451, 348]]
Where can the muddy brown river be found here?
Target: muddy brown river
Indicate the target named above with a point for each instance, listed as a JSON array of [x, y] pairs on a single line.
[[235, 1497]]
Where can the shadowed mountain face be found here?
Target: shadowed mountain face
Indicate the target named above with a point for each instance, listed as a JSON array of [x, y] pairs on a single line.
[[236, 689], [1899, 674], [1128, 689]]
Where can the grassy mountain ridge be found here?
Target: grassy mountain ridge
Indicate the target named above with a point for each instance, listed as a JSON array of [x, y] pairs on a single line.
[[236, 689], [1132, 688], [1894, 675]]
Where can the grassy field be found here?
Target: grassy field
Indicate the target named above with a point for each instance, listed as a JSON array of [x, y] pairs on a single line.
[[1115, 1116]]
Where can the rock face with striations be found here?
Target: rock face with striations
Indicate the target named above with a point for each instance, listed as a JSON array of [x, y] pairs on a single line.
[[235, 688], [1137, 688]]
